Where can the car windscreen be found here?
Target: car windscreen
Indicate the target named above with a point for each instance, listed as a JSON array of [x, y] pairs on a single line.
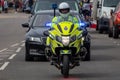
[[110, 3], [41, 20], [47, 4]]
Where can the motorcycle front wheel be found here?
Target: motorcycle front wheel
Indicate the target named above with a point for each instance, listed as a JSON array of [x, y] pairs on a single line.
[[65, 67]]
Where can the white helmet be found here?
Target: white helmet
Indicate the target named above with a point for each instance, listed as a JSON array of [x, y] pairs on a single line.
[[64, 9]]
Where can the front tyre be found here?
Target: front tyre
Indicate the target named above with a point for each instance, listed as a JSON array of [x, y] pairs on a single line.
[[65, 67]]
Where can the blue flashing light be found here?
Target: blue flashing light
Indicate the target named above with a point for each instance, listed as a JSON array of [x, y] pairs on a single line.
[[82, 24], [49, 24], [54, 6]]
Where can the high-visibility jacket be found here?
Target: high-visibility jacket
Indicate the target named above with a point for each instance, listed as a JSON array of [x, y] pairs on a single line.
[[70, 18]]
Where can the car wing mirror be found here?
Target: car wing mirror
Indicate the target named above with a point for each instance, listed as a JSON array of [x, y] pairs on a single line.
[[25, 25], [46, 33]]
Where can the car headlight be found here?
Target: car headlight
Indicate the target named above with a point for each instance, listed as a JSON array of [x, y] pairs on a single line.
[[36, 39], [65, 40]]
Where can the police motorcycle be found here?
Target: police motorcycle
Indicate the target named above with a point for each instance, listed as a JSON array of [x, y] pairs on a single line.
[[65, 42], [65, 46]]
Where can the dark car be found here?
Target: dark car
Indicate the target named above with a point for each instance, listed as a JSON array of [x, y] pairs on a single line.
[[114, 28], [35, 39]]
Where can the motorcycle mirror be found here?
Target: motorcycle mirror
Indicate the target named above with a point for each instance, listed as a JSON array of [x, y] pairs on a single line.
[[46, 33]]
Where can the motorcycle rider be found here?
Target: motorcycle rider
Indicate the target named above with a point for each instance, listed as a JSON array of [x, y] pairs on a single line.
[[64, 11]]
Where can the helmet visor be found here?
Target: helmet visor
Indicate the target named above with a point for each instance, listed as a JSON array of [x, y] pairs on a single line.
[[64, 11]]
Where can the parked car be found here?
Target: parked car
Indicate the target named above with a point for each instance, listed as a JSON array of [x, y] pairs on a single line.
[[35, 39], [114, 29]]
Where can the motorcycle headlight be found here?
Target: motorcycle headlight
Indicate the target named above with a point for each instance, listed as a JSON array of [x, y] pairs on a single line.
[[65, 40], [58, 38], [73, 38], [36, 39]]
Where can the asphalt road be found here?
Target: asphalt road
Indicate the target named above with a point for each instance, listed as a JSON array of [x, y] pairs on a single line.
[[104, 64], [11, 31]]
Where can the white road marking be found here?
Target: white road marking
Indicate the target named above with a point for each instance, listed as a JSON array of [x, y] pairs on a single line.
[[23, 44], [18, 50], [15, 45], [12, 56], [4, 65], [3, 49]]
